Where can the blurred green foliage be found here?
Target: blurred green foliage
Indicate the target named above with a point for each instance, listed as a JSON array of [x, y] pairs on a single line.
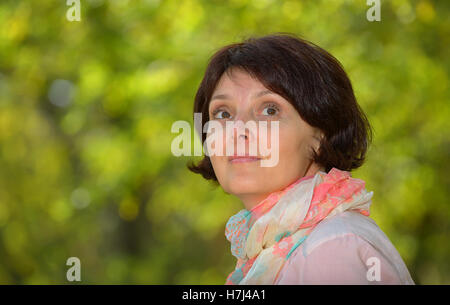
[[86, 110]]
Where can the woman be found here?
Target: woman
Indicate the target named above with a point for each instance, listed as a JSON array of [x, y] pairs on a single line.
[[306, 220]]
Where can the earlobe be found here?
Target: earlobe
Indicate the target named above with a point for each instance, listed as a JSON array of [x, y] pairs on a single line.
[[318, 137]]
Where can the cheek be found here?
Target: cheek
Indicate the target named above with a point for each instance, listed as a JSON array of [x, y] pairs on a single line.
[[292, 144], [216, 164], [219, 166]]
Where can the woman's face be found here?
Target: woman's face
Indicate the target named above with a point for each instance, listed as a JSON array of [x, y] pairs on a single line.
[[250, 181]]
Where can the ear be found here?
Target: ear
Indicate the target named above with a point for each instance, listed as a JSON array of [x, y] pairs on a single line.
[[317, 139]]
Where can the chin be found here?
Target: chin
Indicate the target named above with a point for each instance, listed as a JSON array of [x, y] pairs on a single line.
[[242, 185]]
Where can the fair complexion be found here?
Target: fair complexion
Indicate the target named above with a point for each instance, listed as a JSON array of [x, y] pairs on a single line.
[[244, 98]]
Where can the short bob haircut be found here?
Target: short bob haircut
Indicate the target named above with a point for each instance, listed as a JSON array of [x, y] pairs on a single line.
[[307, 76]]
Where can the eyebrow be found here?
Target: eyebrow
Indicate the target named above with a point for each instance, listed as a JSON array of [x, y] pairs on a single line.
[[226, 96]]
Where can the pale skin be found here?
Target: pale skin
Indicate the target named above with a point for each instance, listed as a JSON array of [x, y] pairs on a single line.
[[249, 181]]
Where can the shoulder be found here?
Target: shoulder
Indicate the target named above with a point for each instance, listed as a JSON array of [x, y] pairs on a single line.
[[347, 259], [342, 250], [347, 223]]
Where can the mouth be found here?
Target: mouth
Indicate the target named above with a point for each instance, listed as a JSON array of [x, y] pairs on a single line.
[[243, 159]]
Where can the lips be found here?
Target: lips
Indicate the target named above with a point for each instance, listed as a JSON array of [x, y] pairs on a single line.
[[242, 159]]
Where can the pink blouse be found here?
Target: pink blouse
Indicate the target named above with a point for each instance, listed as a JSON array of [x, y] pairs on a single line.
[[345, 249]]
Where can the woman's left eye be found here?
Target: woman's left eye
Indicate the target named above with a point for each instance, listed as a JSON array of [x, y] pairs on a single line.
[[270, 110]]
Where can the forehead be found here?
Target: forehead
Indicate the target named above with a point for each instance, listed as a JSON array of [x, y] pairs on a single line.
[[238, 79]]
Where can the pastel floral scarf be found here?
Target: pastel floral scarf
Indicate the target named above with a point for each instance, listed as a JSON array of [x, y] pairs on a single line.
[[263, 238]]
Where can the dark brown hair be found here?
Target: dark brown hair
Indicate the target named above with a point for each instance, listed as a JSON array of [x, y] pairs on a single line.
[[307, 76]]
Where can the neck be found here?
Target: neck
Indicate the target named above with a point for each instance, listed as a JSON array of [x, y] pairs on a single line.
[[252, 200]]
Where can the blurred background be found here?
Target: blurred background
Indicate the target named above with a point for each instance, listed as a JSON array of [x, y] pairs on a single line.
[[86, 109]]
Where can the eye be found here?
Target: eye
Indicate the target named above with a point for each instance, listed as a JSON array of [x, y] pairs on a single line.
[[226, 114], [272, 109]]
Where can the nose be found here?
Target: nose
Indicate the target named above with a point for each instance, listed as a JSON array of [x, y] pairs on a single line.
[[239, 130], [242, 137]]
